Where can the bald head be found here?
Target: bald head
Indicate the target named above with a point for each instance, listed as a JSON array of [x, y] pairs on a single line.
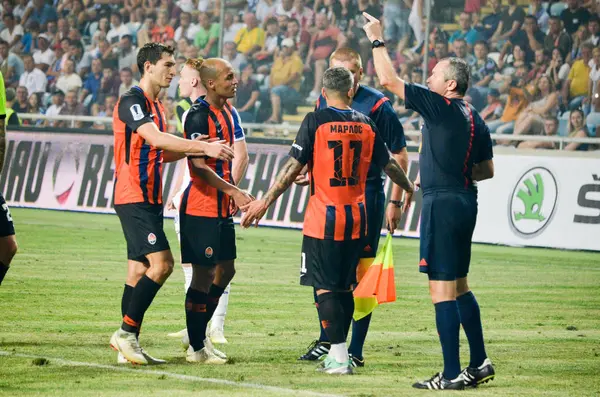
[[211, 69], [218, 76]]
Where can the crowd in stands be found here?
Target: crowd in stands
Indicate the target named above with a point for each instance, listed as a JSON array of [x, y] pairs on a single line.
[[535, 68]]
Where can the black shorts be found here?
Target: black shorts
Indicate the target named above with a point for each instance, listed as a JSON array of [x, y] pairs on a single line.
[[142, 225], [330, 264], [447, 224], [375, 206], [206, 241], [7, 228]]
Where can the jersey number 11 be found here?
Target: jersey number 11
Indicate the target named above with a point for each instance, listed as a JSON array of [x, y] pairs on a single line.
[[338, 154]]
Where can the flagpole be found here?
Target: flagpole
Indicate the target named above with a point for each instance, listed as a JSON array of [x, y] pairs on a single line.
[[426, 43]]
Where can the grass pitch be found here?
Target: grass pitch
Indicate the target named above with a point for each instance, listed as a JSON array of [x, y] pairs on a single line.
[[60, 303]]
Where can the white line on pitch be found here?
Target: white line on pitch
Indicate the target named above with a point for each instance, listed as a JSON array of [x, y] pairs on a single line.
[[190, 378]]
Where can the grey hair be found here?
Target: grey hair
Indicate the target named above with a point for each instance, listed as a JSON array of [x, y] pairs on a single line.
[[338, 79], [458, 70]]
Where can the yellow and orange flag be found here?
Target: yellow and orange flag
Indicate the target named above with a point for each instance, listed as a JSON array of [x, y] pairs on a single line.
[[376, 282]]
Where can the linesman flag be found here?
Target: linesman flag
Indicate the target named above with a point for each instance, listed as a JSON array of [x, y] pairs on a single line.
[[377, 284]]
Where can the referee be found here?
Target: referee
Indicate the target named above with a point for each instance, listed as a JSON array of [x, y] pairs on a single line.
[[456, 152]]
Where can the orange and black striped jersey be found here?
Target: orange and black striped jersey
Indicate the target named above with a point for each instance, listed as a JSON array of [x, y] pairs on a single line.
[[201, 198], [338, 146], [138, 165]]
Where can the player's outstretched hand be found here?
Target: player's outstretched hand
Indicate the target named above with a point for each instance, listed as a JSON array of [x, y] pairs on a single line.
[[219, 150], [372, 28], [253, 212], [302, 180]]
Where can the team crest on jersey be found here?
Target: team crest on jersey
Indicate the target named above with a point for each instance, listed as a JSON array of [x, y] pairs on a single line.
[[152, 238], [136, 112], [195, 135], [208, 252]]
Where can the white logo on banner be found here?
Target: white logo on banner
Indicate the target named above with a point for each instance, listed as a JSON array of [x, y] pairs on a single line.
[[533, 201], [136, 112]]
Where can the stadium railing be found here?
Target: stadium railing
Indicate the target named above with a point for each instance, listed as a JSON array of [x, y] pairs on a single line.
[[288, 131]]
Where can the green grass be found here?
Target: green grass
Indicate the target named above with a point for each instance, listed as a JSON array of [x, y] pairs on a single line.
[[61, 300]]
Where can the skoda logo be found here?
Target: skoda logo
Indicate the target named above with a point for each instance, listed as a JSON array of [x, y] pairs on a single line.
[[533, 202]]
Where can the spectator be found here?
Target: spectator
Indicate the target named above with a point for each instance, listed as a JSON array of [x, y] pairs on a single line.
[[207, 37], [301, 37], [483, 70], [144, 34], [285, 79], [186, 29], [69, 80], [34, 107], [557, 37], [594, 29], [110, 82], [19, 9], [91, 85], [574, 16], [10, 64], [118, 29], [578, 129], [12, 32], [20, 106], [466, 31], [32, 78], [577, 84], [395, 22], [162, 31], [493, 110], [58, 101], [323, 42], [29, 41], [250, 38], [518, 60], [263, 59], [510, 23], [230, 27], [490, 22], [72, 108], [265, 9], [39, 12], [461, 51], [231, 54], [44, 57], [247, 94], [579, 38], [303, 14], [537, 9], [127, 80], [550, 129], [127, 54], [558, 70], [516, 102], [531, 119], [83, 61], [529, 38], [539, 66], [594, 78]]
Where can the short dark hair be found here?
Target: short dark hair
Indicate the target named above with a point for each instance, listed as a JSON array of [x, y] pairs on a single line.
[[339, 80], [127, 69], [458, 70], [483, 43], [152, 52]]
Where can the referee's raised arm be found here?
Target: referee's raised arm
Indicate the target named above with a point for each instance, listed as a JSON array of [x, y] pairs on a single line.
[[384, 67]]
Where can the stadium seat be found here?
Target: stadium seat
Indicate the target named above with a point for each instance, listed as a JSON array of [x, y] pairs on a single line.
[[563, 124], [557, 8], [592, 128]]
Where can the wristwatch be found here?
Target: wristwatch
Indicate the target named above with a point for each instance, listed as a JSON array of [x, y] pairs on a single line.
[[377, 44], [397, 203]]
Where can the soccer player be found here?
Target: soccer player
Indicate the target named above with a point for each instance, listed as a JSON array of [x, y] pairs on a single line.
[[191, 88], [206, 225], [141, 146], [338, 144], [456, 152], [8, 242], [374, 104]]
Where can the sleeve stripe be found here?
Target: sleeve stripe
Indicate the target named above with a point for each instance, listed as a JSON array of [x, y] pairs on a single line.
[[378, 104]]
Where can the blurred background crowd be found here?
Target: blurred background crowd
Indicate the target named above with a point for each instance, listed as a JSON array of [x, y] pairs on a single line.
[[535, 65]]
